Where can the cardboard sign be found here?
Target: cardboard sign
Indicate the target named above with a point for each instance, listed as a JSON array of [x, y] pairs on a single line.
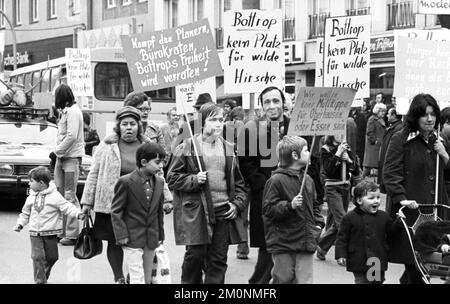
[[186, 95], [347, 53], [171, 57], [253, 51], [434, 7], [319, 62], [79, 76], [321, 111], [422, 67]]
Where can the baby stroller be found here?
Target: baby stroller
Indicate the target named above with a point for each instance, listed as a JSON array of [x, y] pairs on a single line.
[[430, 264]]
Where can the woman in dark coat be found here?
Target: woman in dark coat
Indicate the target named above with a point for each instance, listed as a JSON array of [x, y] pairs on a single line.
[[410, 175], [376, 127]]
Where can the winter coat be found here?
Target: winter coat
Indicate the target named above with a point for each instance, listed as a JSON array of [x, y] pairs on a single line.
[[331, 165], [43, 212], [409, 173], [394, 128], [257, 165], [70, 138], [376, 127], [194, 216], [286, 229], [361, 123], [363, 236], [352, 134], [132, 217], [430, 236]]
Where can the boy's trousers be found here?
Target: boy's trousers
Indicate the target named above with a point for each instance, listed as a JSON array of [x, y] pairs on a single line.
[[139, 263], [44, 253], [292, 268]]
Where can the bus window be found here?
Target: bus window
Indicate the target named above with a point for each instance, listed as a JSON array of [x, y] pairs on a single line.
[[36, 79], [55, 75], [27, 81], [112, 81], [163, 95], [20, 79], [46, 81]]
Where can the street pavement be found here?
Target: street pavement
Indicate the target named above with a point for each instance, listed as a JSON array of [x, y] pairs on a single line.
[[16, 265]]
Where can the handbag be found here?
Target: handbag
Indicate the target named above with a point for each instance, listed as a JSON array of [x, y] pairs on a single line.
[[161, 267], [86, 245]]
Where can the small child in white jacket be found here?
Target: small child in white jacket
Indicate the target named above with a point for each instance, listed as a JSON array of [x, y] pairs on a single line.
[[43, 211]]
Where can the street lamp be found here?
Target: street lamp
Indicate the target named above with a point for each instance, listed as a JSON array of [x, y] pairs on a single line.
[[13, 31]]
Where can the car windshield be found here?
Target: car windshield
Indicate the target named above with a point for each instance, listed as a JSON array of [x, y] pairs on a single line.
[[28, 134]]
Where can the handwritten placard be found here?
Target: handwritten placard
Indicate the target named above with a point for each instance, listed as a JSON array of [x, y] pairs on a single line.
[[319, 62], [436, 7], [171, 57], [186, 95], [422, 66], [321, 111], [347, 53], [253, 50], [79, 76]]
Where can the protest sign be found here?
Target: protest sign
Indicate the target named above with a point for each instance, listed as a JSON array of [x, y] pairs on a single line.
[[321, 111], [319, 62], [171, 57], [347, 53], [186, 95], [422, 66], [434, 7], [253, 51], [79, 76]]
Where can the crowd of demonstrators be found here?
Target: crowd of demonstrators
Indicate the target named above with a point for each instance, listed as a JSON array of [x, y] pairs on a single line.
[[69, 152], [228, 106], [376, 128], [91, 138], [409, 174], [445, 132], [208, 200]]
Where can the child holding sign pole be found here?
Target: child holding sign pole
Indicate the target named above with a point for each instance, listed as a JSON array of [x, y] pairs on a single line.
[[335, 156]]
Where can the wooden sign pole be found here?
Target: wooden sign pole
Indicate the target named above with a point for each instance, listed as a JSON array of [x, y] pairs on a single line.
[[191, 134], [307, 165]]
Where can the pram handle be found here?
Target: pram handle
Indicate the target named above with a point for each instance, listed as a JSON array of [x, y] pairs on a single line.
[[434, 206]]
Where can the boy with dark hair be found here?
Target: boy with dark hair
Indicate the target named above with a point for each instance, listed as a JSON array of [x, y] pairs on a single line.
[[42, 211], [361, 244], [137, 212], [292, 220]]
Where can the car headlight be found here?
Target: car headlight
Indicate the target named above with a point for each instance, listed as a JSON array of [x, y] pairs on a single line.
[[6, 169]]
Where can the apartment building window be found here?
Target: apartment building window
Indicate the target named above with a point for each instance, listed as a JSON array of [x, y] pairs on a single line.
[[2, 19], [320, 11], [17, 13], [110, 3], [34, 11], [288, 7], [75, 5], [126, 2], [358, 7], [400, 14], [51, 9], [250, 4], [222, 7], [170, 13], [195, 10]]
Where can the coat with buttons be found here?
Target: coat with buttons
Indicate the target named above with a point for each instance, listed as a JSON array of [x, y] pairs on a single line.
[[376, 127], [363, 236], [409, 173]]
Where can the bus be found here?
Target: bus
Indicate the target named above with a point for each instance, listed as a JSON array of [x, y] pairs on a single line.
[[111, 82]]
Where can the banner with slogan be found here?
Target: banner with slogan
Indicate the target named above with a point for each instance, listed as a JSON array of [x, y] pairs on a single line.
[[186, 95], [79, 76], [422, 66], [319, 62], [434, 7], [321, 111], [171, 57], [347, 53], [253, 51]]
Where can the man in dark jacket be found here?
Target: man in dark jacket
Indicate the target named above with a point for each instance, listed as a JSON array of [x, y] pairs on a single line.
[[257, 159]]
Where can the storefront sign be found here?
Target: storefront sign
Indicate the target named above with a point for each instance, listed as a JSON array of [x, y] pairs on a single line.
[[254, 51], [321, 111], [434, 7], [171, 57], [186, 95], [294, 52], [24, 58], [382, 44], [347, 53], [422, 67]]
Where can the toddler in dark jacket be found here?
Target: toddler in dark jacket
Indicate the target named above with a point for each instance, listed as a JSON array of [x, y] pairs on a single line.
[[292, 220], [361, 244]]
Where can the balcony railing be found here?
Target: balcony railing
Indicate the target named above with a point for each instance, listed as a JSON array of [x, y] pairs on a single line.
[[317, 25], [289, 29], [400, 15], [358, 11], [219, 37]]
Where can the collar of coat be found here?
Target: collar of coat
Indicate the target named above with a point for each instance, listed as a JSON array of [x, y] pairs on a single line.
[[51, 188], [290, 172], [413, 135], [114, 139]]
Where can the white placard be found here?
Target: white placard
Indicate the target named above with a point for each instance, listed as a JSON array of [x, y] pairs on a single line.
[[434, 7], [347, 53], [253, 51], [319, 62], [79, 76], [186, 95]]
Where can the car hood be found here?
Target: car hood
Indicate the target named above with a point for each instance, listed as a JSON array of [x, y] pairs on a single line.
[[25, 154]]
